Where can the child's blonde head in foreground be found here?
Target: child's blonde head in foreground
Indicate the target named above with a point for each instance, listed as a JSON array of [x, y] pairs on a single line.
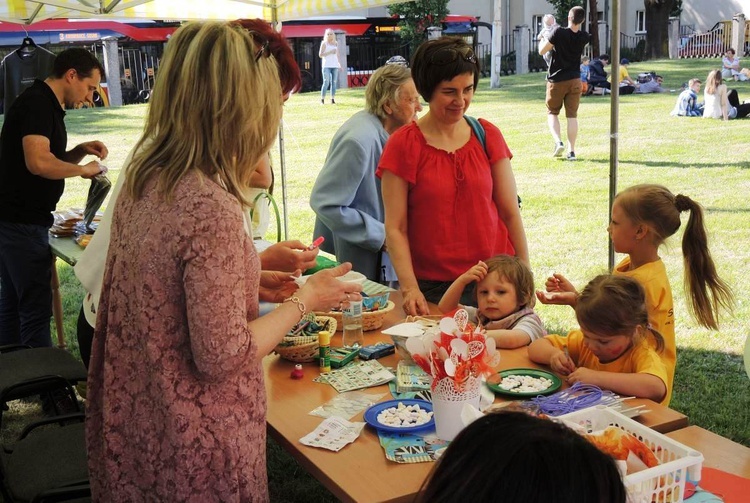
[[615, 305]]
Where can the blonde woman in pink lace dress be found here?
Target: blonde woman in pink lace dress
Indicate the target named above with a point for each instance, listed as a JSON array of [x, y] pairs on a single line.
[[177, 406]]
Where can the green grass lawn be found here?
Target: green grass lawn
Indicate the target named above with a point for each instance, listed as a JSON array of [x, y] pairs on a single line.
[[564, 211]]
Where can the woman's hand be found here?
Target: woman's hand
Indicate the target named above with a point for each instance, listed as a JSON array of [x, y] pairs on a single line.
[[288, 256], [323, 292], [275, 286], [414, 302]]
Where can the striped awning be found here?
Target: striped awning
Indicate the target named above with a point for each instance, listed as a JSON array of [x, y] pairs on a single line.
[[30, 11]]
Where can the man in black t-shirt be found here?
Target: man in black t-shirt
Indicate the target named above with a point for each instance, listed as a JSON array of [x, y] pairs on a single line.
[[564, 78], [34, 163]]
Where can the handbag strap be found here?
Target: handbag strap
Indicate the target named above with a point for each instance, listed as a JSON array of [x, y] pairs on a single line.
[[478, 129], [271, 200]]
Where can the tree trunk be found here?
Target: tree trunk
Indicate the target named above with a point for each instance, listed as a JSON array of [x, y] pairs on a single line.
[[594, 29], [657, 22]]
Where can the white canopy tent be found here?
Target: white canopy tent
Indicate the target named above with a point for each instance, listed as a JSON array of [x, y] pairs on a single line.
[[29, 11]]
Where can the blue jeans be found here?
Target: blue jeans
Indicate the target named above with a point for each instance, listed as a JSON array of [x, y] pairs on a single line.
[[330, 77], [25, 291]]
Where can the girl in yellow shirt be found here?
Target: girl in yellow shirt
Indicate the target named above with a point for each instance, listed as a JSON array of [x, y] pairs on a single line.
[[610, 350], [643, 217]]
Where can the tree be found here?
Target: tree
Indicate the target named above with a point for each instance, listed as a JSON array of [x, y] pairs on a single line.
[[676, 8], [562, 7], [417, 16], [593, 28], [657, 24]]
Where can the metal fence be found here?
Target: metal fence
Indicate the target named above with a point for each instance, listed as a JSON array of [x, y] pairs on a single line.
[[138, 69], [711, 44], [633, 47]]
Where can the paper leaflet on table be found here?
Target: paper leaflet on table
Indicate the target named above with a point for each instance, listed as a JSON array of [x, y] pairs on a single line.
[[408, 395], [409, 448], [410, 377], [357, 376], [334, 433], [347, 405]]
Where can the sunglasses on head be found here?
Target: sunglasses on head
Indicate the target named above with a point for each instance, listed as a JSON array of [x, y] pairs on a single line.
[[449, 55], [264, 50]]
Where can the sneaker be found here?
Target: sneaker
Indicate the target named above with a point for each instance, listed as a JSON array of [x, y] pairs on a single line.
[[559, 149], [322, 101], [333, 102], [571, 156]]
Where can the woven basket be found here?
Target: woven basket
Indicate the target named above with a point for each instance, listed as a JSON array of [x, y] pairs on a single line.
[[304, 349], [371, 320]]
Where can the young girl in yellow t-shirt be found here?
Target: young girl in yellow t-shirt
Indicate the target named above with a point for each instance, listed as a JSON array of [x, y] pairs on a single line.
[[610, 350], [643, 217]]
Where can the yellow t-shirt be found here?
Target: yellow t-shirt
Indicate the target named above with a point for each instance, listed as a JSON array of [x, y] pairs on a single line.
[[639, 359], [653, 278], [623, 73]]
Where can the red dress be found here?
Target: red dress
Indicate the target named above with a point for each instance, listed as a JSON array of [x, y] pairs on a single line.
[[452, 218], [176, 405]]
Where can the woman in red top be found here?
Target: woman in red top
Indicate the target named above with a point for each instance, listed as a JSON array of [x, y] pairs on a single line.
[[448, 202]]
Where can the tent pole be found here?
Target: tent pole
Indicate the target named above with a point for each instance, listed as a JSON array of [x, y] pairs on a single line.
[[614, 118], [282, 157]]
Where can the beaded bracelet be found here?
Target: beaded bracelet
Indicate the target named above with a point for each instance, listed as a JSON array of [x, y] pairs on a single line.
[[300, 305]]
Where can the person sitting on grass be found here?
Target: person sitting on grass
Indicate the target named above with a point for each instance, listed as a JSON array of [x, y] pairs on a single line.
[[585, 60], [627, 85], [721, 103], [652, 85], [687, 102], [597, 73], [611, 349], [505, 296]]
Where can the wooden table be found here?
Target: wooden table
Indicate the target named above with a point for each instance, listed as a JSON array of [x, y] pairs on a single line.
[[69, 251], [718, 452], [360, 472]]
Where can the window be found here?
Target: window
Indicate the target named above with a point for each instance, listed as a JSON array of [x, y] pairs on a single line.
[[640, 21], [536, 25]]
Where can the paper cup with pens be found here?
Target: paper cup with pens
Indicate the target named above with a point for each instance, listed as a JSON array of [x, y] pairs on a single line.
[[456, 356]]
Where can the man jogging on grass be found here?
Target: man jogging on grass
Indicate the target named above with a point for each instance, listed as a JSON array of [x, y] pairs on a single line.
[[564, 78]]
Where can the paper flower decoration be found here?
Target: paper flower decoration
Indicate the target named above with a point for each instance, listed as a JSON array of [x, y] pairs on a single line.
[[459, 351]]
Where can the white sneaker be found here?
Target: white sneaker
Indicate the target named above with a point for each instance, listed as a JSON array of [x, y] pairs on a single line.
[[559, 149]]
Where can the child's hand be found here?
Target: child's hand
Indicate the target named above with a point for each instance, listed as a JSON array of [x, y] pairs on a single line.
[[562, 364], [582, 374], [559, 283], [475, 274], [557, 298]]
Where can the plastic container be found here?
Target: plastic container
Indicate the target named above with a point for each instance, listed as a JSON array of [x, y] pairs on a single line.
[[352, 321], [661, 484]]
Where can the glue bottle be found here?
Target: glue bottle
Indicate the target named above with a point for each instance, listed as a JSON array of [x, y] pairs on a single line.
[[324, 351]]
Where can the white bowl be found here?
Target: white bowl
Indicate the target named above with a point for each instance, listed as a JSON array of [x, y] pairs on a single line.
[[350, 277], [353, 277]]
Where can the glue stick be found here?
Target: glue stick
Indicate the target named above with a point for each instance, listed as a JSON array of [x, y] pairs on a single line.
[[324, 351]]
